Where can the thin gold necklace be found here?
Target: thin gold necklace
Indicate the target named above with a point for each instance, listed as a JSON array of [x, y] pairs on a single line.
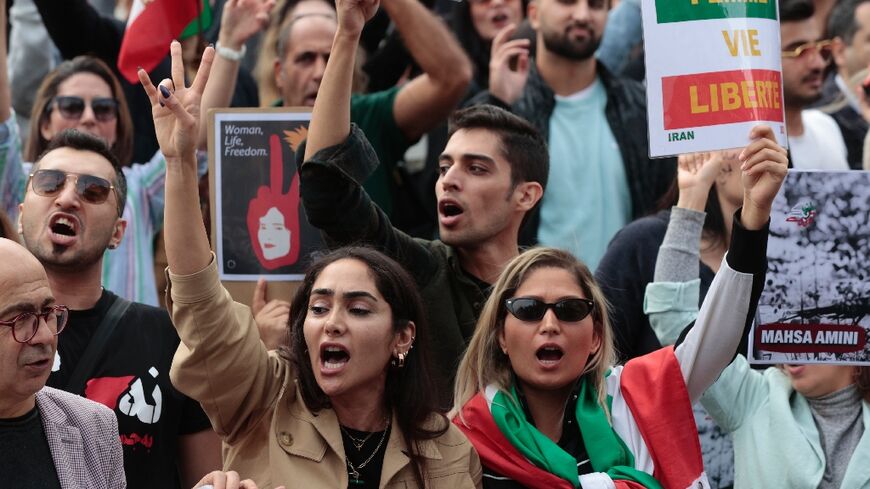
[[353, 472]]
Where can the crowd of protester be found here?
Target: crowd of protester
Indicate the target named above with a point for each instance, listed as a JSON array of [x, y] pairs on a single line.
[[512, 293]]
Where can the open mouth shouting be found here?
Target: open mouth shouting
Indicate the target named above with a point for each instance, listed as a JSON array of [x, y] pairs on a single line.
[[63, 229], [549, 355], [333, 358], [500, 19], [449, 212]]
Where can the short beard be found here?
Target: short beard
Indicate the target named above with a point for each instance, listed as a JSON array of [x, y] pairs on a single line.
[[562, 46], [801, 101]]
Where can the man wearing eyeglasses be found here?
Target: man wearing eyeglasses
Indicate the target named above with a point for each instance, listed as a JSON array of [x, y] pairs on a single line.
[[46, 435], [815, 141], [113, 351]]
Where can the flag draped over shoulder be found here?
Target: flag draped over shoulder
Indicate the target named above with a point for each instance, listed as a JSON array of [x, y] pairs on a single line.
[[508, 444], [653, 389], [150, 29]]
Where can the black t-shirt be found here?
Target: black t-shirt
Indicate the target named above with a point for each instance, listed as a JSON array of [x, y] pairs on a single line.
[[132, 378], [25, 457]]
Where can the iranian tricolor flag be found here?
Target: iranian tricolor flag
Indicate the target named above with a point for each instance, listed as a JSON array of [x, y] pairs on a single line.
[[152, 25]]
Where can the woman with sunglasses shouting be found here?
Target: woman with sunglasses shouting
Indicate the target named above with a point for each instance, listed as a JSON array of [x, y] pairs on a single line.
[[537, 395]]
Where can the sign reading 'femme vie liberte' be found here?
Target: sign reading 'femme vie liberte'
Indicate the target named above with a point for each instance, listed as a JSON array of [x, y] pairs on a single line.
[[713, 72]]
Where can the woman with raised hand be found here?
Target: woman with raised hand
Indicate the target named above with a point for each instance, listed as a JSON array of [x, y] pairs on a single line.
[[537, 395], [347, 403], [795, 426]]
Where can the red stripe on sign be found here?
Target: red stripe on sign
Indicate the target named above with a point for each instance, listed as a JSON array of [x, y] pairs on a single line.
[[810, 338], [722, 97]]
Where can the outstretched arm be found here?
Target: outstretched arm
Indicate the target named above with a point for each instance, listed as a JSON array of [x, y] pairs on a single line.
[[176, 122], [240, 20], [671, 300], [730, 303], [427, 100], [330, 118], [77, 28]]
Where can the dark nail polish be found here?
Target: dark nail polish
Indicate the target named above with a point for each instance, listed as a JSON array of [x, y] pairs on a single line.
[[164, 91]]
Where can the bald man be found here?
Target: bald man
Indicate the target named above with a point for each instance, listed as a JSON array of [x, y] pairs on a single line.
[[46, 435]]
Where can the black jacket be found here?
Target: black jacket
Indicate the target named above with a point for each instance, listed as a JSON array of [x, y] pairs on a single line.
[[648, 179]]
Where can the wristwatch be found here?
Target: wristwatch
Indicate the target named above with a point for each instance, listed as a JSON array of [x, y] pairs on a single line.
[[230, 54]]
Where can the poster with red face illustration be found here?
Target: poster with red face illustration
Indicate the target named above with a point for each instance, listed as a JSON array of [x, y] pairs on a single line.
[[260, 224]]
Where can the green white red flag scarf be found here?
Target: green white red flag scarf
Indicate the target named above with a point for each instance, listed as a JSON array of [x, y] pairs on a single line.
[[510, 445], [655, 392]]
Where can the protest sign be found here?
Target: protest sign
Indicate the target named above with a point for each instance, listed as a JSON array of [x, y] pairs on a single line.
[[713, 72], [259, 227], [815, 307]]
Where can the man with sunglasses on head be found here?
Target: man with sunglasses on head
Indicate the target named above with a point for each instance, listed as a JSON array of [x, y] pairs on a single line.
[[46, 435], [114, 351], [815, 141]]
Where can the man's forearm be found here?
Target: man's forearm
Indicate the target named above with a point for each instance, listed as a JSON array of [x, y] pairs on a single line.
[[218, 92], [429, 41], [330, 118]]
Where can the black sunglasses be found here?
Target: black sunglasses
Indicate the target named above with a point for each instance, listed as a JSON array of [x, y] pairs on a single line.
[[530, 309], [72, 107], [49, 183]]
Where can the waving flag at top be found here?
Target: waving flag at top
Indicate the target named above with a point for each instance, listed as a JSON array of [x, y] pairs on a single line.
[[152, 25]]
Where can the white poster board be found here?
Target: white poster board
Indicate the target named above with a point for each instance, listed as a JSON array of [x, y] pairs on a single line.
[[815, 307], [713, 71]]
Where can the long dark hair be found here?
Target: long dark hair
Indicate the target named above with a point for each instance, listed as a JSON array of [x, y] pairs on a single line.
[[409, 391], [478, 50], [36, 144]]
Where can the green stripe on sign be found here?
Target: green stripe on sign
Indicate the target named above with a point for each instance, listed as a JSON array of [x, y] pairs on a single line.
[[685, 10]]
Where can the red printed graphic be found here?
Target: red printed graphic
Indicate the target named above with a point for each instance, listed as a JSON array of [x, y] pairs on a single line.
[[128, 396], [723, 97], [273, 216], [107, 390], [134, 439], [810, 338]]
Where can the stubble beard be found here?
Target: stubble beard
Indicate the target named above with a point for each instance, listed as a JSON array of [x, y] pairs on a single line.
[[60, 258], [561, 45]]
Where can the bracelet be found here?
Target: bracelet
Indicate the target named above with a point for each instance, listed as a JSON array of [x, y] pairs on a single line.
[[230, 54]]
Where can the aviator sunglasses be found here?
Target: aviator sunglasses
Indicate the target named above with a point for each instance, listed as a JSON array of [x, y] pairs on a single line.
[[91, 189], [531, 309], [71, 107], [824, 48]]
